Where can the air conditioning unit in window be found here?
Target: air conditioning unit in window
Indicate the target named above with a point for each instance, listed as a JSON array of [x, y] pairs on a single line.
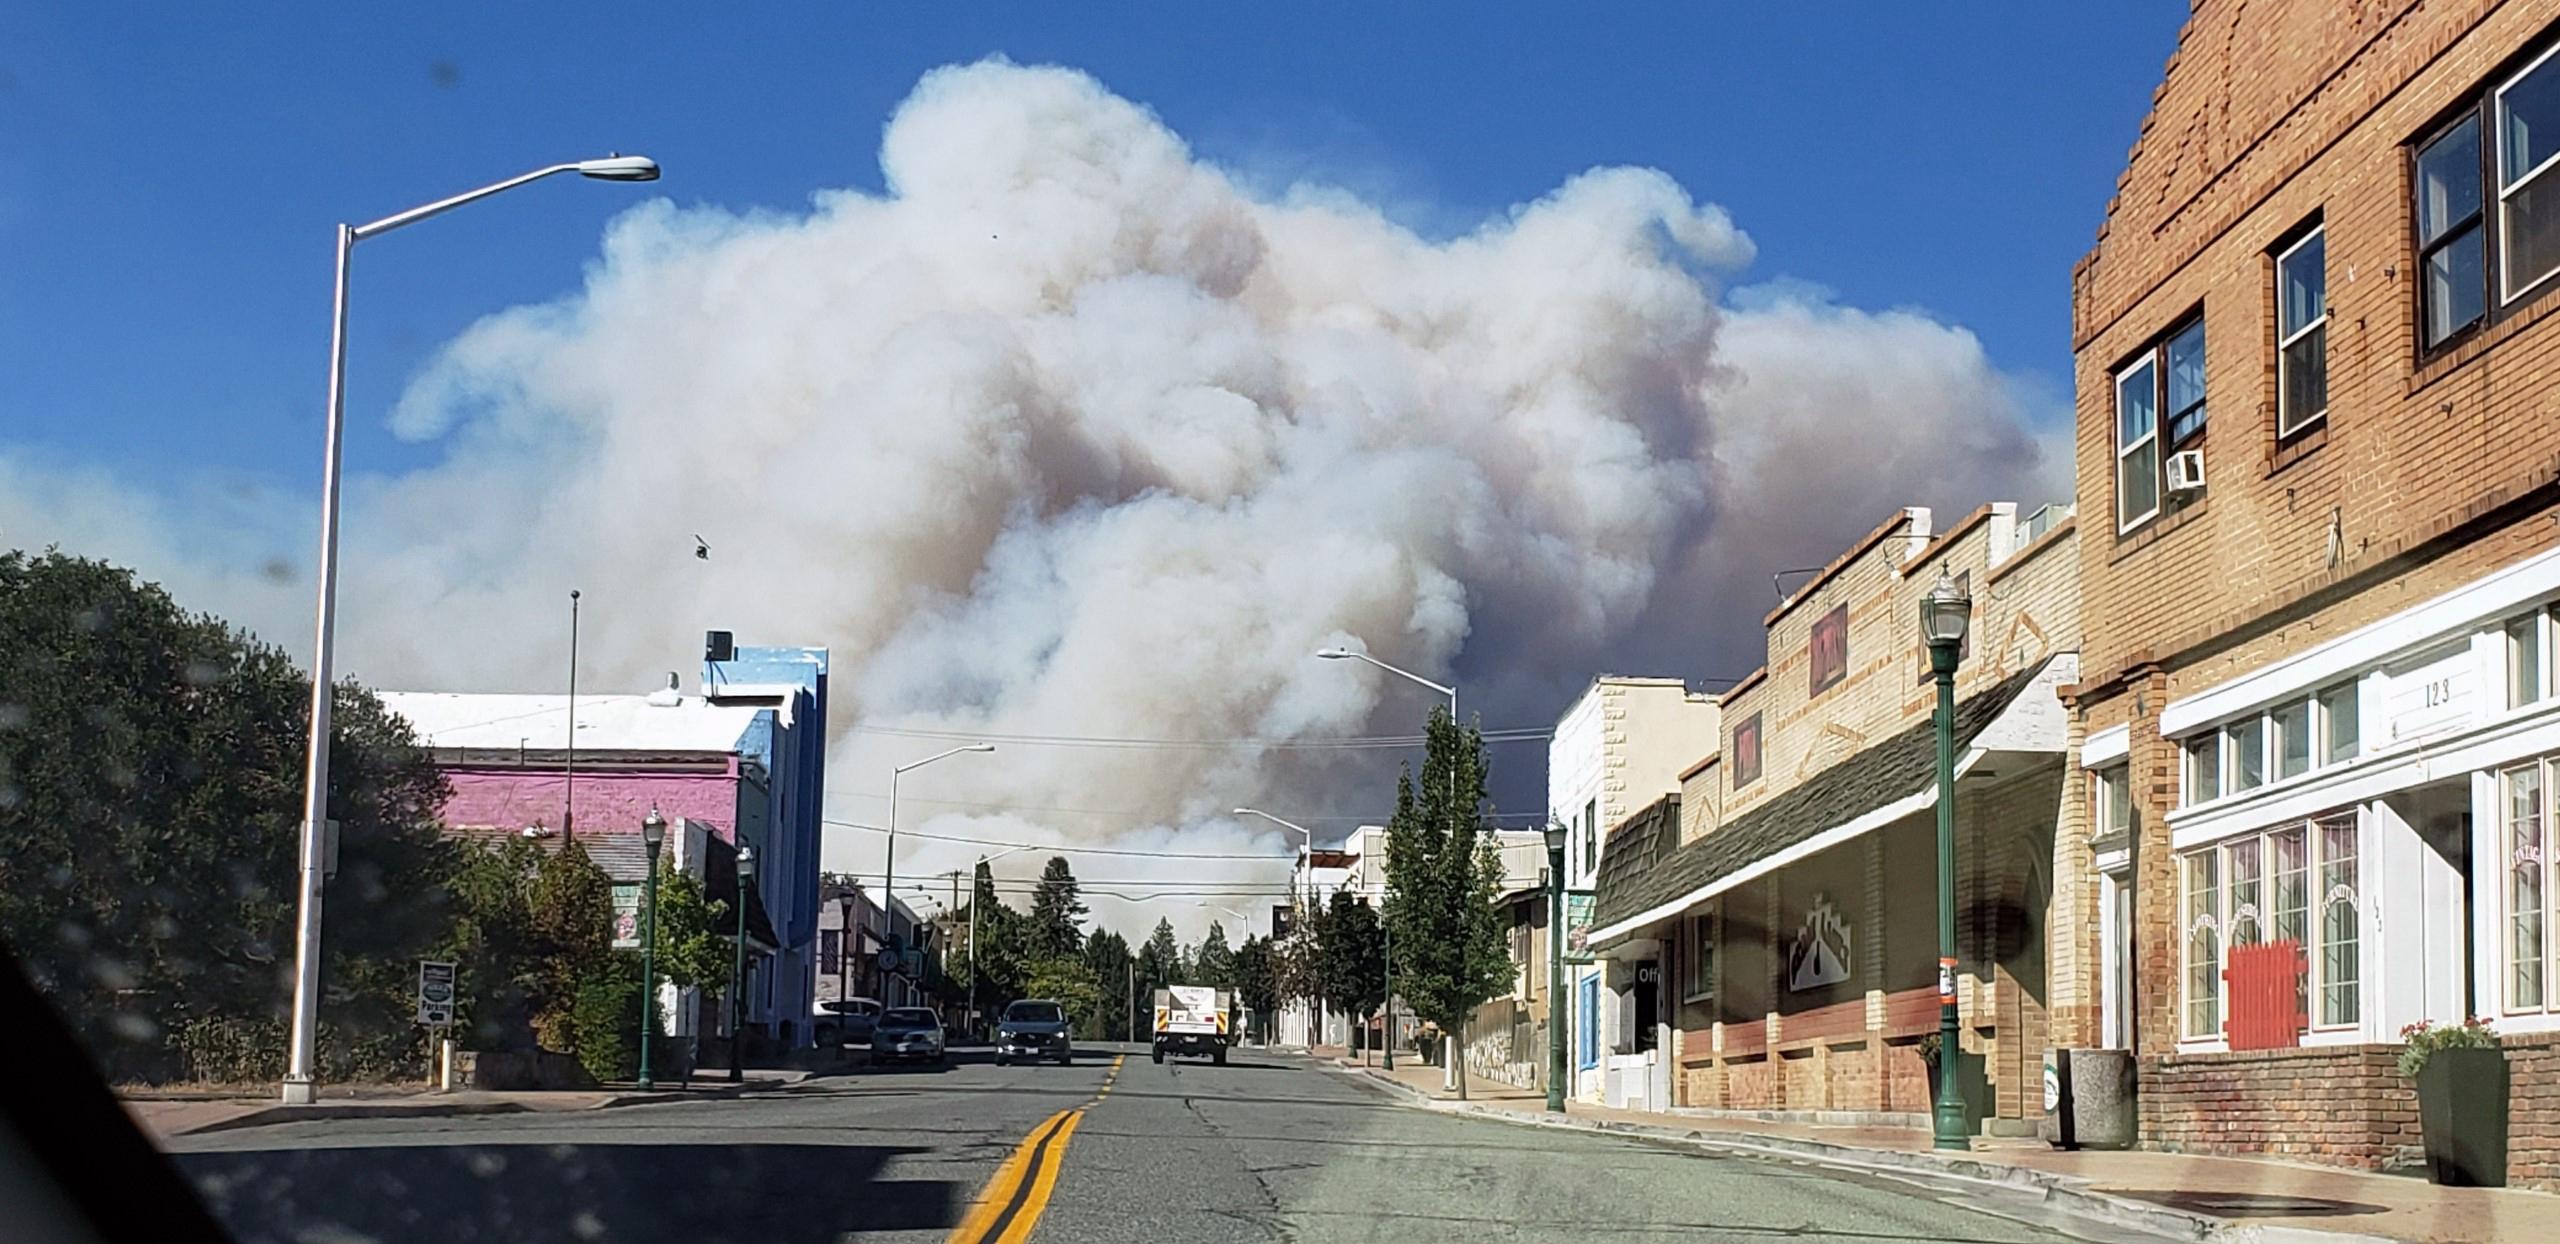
[[2186, 471]]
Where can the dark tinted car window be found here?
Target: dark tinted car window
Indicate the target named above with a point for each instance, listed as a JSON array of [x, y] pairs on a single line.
[[908, 1017], [1033, 1013]]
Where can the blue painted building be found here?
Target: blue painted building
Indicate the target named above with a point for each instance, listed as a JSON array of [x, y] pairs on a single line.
[[791, 744]]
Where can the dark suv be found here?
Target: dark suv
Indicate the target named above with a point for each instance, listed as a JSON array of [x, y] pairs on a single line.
[[1033, 1028]]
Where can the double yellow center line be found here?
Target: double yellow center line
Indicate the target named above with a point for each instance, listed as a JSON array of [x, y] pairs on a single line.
[[1011, 1203]]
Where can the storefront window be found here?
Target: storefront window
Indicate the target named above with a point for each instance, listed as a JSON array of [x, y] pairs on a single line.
[[2204, 945], [2528, 659], [2246, 927], [1698, 966], [2338, 922], [2528, 888]]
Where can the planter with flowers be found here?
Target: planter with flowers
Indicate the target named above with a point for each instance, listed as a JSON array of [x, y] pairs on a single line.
[[2462, 1100]]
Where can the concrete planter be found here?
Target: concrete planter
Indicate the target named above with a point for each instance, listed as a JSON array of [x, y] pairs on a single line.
[[2089, 1099], [2462, 1117]]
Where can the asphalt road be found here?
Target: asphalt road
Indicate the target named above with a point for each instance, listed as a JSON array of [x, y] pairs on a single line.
[[1269, 1147]]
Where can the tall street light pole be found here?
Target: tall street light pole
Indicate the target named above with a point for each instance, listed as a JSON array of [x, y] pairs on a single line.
[[983, 861], [1556, 1008], [889, 858], [1455, 1052], [653, 831], [298, 1086], [1944, 615], [746, 871], [1307, 849]]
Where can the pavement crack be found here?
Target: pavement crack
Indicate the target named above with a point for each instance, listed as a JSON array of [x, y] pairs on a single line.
[[1269, 1218]]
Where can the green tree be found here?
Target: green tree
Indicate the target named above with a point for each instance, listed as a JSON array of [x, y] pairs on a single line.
[[151, 768], [1160, 960], [1257, 984], [1107, 955], [531, 929], [1443, 874], [1351, 959], [1057, 907], [1213, 962], [1069, 981], [1001, 951], [692, 932]]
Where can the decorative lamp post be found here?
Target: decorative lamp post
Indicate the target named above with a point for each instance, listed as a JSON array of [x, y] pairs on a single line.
[[1944, 615], [1555, 967], [653, 831], [738, 970]]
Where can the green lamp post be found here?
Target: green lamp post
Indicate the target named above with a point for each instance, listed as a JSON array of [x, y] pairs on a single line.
[[1555, 967], [653, 831], [738, 970], [1944, 614]]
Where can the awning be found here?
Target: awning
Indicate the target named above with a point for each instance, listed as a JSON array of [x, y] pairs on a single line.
[[1894, 779]]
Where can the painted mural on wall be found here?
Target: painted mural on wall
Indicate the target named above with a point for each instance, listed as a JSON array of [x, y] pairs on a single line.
[[1821, 954]]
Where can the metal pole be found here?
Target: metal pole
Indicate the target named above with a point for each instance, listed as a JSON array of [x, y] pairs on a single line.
[[1389, 1028], [738, 980], [648, 967], [1555, 977], [1949, 1117], [889, 864], [315, 787], [973, 950], [569, 768]]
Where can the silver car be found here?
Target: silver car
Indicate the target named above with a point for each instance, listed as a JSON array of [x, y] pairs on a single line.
[[907, 1034]]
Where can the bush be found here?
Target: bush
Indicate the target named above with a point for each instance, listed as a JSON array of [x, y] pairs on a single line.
[[605, 1024], [2420, 1041]]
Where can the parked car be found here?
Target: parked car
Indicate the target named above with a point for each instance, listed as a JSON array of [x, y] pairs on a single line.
[[1033, 1028], [906, 1034], [847, 1021]]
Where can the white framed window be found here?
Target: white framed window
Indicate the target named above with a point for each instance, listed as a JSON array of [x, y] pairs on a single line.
[[2294, 883], [2292, 746], [2529, 649], [2527, 107], [2525, 803], [1698, 955], [2137, 442], [2339, 723], [2248, 767], [2204, 767], [2110, 801], [2302, 332]]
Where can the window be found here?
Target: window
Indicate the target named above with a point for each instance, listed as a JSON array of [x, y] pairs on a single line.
[[2529, 885], [2185, 353], [2111, 801], [1698, 957], [2528, 659], [2292, 724], [1590, 837], [1587, 1032], [2248, 753], [1830, 648], [2338, 722], [2204, 944], [2302, 333], [2137, 443], [2452, 273], [827, 951], [2528, 112], [2204, 768], [2290, 884], [1746, 752]]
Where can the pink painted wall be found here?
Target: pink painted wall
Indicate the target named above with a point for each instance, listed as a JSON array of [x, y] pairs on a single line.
[[607, 802]]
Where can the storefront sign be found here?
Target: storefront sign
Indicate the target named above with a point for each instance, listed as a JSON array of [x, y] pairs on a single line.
[[1821, 954]]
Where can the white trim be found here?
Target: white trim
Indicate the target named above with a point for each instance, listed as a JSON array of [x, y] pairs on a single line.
[[2503, 740], [2106, 747], [2284, 341], [2116, 861], [2410, 631], [2151, 359], [2502, 189]]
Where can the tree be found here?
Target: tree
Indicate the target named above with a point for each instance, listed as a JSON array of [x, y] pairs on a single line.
[[1067, 980], [1106, 954], [1257, 983], [1351, 958], [151, 769], [531, 930], [1056, 909], [1443, 874], [692, 931], [1002, 953], [1212, 962]]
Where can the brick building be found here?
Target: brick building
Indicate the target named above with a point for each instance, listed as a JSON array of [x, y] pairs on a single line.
[[2319, 466], [1781, 906]]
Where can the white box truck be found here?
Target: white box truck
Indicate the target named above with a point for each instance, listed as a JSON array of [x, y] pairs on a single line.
[[1195, 1020]]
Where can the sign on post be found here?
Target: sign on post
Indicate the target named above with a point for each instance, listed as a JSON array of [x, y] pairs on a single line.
[[435, 993], [1579, 908], [626, 917]]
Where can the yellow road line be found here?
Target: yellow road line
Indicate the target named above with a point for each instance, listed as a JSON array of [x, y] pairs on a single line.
[[1001, 1187], [1051, 1161]]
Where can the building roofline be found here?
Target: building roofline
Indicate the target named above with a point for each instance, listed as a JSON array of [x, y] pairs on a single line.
[[1904, 516]]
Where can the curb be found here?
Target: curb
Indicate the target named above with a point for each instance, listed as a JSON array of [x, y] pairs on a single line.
[[270, 1115], [2065, 1192]]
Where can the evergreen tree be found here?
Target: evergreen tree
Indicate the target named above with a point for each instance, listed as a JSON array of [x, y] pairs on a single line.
[[1106, 954], [1056, 910], [1351, 958], [1257, 984], [1443, 874], [1212, 962]]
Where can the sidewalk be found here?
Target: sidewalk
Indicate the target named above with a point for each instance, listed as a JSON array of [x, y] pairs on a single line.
[[2205, 1196], [180, 1113]]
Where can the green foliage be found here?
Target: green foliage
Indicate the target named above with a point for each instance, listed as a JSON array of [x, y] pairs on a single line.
[[1160, 960], [692, 932], [1212, 962], [1067, 980], [2420, 1041], [605, 1019], [151, 766], [1106, 955], [1258, 982], [1351, 955], [1056, 908], [1003, 951], [532, 929], [1443, 874]]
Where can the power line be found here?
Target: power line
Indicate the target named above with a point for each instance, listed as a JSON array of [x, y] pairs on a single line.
[[1353, 743], [1133, 814], [1064, 849]]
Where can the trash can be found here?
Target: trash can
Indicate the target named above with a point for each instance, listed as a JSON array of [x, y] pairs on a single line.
[[2088, 1099]]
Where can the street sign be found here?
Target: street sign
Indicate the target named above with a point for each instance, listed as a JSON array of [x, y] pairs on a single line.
[[435, 993]]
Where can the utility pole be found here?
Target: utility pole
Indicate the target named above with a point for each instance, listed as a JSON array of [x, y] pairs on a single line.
[[569, 766]]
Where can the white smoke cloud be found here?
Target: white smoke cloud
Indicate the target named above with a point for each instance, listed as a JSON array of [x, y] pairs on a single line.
[[1070, 432]]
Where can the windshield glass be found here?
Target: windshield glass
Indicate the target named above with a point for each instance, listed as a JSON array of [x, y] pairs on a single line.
[[1033, 1013], [908, 1017]]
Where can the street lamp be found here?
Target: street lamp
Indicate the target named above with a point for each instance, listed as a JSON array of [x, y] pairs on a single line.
[[889, 859], [738, 969], [1451, 1075], [1944, 614], [1315, 1019], [983, 861], [298, 1089], [653, 831], [1555, 967]]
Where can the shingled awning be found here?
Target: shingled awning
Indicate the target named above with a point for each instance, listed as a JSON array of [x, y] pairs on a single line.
[[1646, 876]]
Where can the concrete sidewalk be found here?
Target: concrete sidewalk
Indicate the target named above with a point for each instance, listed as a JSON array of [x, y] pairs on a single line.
[[2205, 1197], [179, 1113]]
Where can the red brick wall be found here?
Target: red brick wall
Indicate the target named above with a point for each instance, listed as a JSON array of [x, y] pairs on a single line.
[[2341, 1105]]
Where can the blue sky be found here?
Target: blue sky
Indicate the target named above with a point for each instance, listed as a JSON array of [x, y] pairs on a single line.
[[169, 175]]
